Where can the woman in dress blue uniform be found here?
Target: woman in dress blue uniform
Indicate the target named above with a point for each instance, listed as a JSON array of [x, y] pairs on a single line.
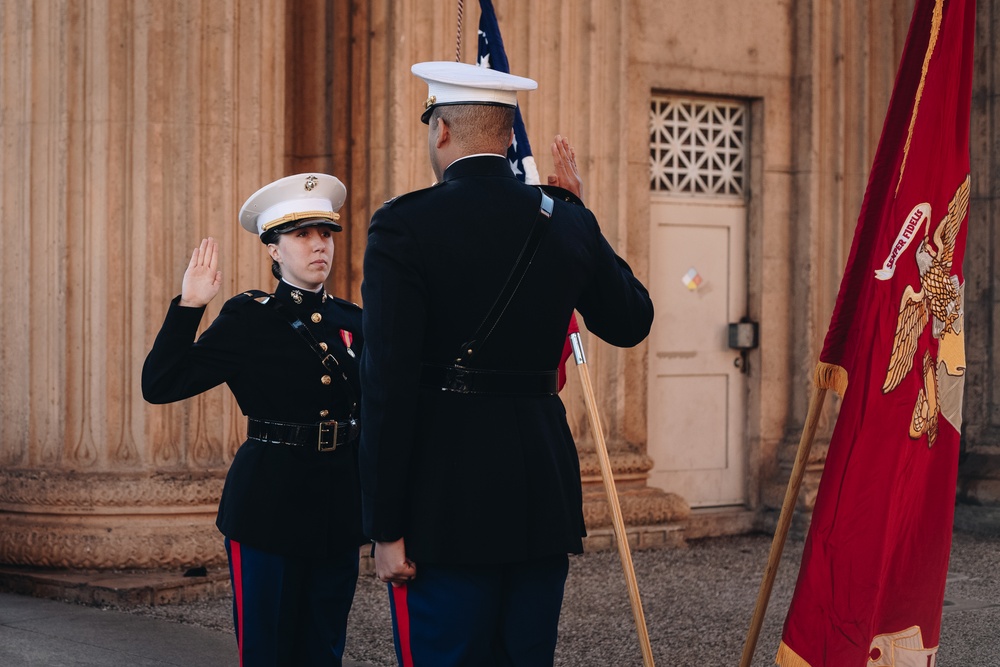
[[290, 508]]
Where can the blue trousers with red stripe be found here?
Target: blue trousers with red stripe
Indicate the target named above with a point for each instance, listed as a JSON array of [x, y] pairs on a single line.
[[483, 616], [290, 611]]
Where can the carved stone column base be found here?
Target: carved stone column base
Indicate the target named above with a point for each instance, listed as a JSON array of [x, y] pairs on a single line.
[[664, 535], [774, 489], [109, 521], [979, 479], [641, 505], [978, 501]]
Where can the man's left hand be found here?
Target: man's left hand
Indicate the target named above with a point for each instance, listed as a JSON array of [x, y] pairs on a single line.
[[391, 564]]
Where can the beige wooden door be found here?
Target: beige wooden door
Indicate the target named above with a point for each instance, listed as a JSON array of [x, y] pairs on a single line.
[[697, 391]]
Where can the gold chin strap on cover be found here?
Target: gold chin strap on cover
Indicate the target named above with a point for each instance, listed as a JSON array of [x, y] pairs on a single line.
[[300, 215]]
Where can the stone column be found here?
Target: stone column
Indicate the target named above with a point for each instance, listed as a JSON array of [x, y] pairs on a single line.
[[130, 130], [845, 59], [979, 472]]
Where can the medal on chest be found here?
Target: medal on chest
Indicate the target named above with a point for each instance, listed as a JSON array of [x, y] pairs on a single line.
[[348, 338]]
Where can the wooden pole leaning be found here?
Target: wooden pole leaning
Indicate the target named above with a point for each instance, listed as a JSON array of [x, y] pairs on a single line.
[[784, 522], [617, 522]]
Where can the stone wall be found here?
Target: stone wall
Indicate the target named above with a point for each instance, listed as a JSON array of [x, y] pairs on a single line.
[[979, 471]]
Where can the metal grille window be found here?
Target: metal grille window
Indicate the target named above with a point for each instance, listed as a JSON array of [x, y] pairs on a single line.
[[697, 147]]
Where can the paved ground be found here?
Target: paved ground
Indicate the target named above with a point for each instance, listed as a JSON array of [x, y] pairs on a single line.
[[697, 602]]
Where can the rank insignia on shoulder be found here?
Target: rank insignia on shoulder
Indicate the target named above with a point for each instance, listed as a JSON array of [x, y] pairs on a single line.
[[258, 296]]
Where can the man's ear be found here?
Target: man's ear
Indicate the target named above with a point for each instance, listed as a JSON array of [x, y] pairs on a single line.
[[444, 133], [510, 142]]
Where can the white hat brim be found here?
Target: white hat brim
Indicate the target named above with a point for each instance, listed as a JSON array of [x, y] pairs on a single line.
[[308, 196]]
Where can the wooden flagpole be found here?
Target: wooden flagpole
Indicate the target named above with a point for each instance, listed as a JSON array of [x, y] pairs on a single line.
[[784, 522], [617, 522]]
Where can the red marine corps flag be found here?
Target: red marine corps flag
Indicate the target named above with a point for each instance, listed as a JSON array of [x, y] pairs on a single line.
[[871, 585]]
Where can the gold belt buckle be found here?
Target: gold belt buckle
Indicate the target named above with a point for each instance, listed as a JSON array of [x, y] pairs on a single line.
[[324, 428]]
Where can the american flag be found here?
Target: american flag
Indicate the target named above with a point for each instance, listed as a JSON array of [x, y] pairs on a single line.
[[492, 56]]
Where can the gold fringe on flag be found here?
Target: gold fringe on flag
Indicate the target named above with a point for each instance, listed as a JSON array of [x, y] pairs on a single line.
[[788, 658], [831, 376]]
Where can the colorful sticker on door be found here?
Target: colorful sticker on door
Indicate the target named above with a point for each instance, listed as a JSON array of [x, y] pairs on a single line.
[[692, 279]]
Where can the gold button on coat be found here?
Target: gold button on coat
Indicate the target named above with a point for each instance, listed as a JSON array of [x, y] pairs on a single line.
[[316, 317], [326, 379], [324, 413], [323, 346]]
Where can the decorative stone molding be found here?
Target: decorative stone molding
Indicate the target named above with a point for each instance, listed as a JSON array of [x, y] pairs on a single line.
[[626, 465], [71, 492], [105, 542], [52, 518], [640, 504], [644, 506]]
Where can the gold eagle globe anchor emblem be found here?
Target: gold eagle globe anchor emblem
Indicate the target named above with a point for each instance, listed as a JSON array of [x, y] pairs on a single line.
[[939, 301]]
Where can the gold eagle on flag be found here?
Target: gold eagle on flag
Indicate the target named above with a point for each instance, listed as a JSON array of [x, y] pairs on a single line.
[[940, 299]]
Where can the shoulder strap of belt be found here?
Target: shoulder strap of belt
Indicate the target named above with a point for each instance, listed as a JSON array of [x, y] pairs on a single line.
[[503, 300], [327, 358]]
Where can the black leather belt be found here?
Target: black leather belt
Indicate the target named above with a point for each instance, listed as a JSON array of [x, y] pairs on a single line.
[[324, 436], [476, 381]]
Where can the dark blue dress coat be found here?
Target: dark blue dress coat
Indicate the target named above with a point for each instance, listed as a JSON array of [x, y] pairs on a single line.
[[474, 479], [283, 499]]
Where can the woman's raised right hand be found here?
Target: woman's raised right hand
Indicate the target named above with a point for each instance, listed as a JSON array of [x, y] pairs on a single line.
[[202, 279]]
